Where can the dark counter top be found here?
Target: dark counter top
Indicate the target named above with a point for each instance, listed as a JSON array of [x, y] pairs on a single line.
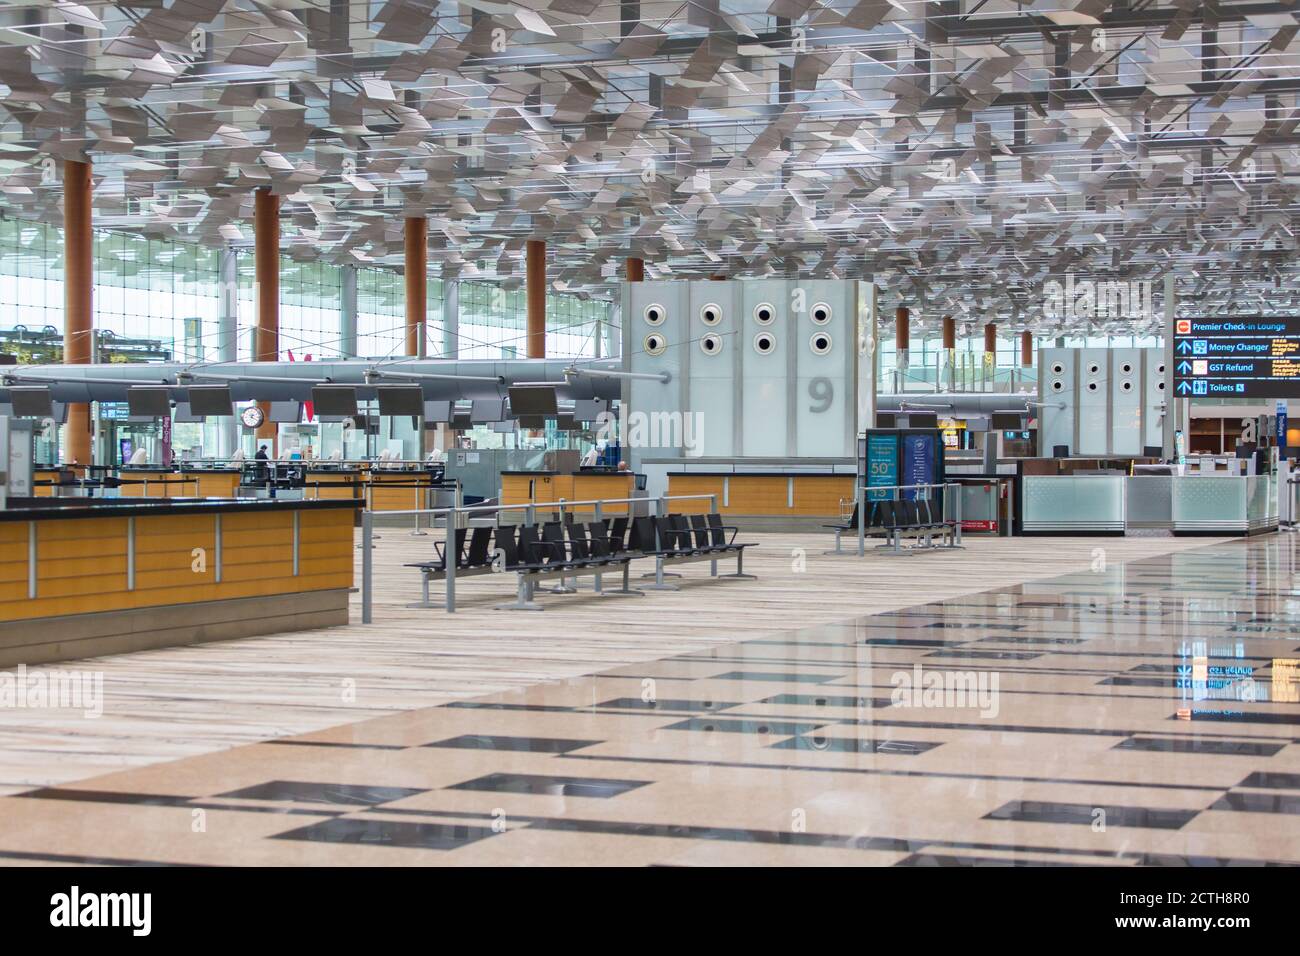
[[47, 509]]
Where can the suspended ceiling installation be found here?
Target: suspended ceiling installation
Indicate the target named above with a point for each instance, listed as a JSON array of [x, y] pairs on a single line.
[[962, 153]]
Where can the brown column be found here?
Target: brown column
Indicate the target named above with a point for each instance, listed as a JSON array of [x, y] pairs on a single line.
[[635, 269], [78, 298], [266, 260], [1027, 349], [536, 269], [902, 329], [949, 332], [717, 278], [417, 270], [990, 339]]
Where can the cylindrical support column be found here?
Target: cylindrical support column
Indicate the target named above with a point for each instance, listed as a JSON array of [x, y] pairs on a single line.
[[228, 339], [417, 284], [348, 312], [950, 350], [635, 269], [78, 299], [1027, 349], [266, 262], [902, 343], [536, 268], [990, 351], [450, 317]]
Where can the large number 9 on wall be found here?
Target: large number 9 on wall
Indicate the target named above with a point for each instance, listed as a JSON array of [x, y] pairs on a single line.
[[822, 391]]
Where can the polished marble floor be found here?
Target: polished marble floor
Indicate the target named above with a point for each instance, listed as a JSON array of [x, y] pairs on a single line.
[[1140, 713]]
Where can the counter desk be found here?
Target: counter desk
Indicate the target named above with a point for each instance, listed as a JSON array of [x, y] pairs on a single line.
[[548, 487], [83, 577], [763, 494], [1183, 504]]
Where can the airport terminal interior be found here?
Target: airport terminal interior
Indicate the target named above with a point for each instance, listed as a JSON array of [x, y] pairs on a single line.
[[591, 433]]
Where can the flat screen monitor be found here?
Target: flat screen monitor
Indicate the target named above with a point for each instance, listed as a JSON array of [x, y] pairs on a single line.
[[334, 399], [462, 421], [886, 420], [588, 409], [31, 402], [533, 400], [60, 414], [565, 422], [437, 411], [401, 400], [149, 401], [532, 421], [285, 413], [211, 400], [504, 428], [922, 420], [1007, 421], [487, 410]]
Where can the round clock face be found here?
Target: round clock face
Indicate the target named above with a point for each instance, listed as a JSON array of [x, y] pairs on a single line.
[[251, 416]]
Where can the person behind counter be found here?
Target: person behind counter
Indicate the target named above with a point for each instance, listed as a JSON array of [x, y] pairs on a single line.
[[622, 466], [262, 455]]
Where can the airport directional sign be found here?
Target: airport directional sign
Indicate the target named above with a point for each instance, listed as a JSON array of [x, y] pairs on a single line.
[[1237, 357]]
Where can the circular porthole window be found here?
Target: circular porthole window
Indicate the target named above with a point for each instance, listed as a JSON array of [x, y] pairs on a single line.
[[1057, 369], [711, 314], [655, 314], [655, 344], [711, 344], [765, 343], [1160, 369], [1126, 386], [1092, 386], [1160, 385], [820, 343], [1094, 368], [765, 313], [1058, 386], [1125, 368], [820, 313]]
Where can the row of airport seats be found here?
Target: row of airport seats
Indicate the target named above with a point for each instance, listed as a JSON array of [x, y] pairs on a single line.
[[919, 519], [567, 550]]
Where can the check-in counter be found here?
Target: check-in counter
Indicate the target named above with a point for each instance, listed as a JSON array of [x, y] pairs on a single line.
[[159, 482], [1072, 504], [1218, 504], [398, 490], [763, 494], [1184, 504], [47, 481], [335, 484], [84, 577], [547, 487]]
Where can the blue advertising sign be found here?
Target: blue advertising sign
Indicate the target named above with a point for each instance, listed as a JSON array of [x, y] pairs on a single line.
[[1281, 429], [918, 462], [882, 465]]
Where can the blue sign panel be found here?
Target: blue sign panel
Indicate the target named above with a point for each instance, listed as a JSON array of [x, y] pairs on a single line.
[[882, 465], [918, 463]]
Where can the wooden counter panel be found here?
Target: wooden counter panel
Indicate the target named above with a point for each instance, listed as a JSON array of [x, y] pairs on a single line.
[[83, 563], [764, 495]]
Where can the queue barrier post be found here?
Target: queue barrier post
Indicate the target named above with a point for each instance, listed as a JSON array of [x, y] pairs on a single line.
[[367, 567]]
